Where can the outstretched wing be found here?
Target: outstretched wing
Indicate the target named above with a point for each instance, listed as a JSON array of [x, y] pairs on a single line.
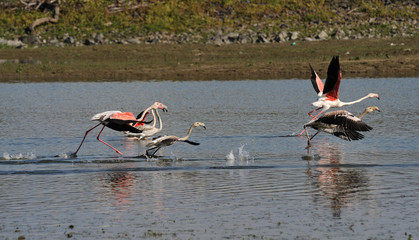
[[122, 125], [334, 77], [318, 85], [348, 135], [190, 142], [344, 119]]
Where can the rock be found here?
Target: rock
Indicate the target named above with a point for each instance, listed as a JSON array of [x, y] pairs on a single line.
[[12, 43], [309, 39], [244, 40], [262, 39], [218, 41], [29, 39], [233, 36], [294, 35], [99, 38], [69, 40], [152, 39], [89, 42], [283, 36], [134, 41], [322, 35]]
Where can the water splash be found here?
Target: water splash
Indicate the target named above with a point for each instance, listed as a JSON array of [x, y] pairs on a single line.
[[240, 154], [230, 158], [18, 156]]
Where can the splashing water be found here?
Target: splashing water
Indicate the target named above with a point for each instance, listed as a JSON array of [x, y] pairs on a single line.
[[230, 158], [242, 155], [18, 156]]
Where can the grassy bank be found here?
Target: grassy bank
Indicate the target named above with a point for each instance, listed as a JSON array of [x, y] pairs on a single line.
[[118, 20], [392, 57]]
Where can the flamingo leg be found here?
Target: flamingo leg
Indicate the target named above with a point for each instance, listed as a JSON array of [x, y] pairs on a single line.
[[313, 117], [105, 142], [87, 132], [314, 135], [308, 138], [152, 151], [317, 114]]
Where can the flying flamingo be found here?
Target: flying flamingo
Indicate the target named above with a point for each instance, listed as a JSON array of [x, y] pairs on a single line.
[[165, 141], [149, 130], [329, 91], [341, 123], [118, 121]]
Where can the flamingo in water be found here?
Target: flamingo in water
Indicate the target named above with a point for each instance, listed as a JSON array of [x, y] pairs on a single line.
[[165, 141], [118, 121], [329, 91], [341, 123], [149, 130]]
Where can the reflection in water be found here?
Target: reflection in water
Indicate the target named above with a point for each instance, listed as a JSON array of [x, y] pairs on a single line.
[[337, 184], [122, 187]]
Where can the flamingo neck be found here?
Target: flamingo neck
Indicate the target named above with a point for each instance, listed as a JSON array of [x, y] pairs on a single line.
[[189, 134], [160, 122], [353, 102], [145, 112], [154, 118]]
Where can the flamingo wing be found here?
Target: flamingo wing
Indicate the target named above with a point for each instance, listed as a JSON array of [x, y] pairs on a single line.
[[318, 85], [122, 125], [143, 122], [345, 120], [348, 135], [123, 116], [190, 142], [334, 77]]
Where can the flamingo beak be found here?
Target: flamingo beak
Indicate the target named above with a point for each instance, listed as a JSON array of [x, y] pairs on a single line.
[[165, 109]]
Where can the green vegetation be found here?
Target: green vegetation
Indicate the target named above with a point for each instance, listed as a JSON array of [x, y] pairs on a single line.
[[81, 18]]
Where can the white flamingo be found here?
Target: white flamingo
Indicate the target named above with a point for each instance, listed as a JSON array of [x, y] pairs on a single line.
[[150, 130], [165, 141]]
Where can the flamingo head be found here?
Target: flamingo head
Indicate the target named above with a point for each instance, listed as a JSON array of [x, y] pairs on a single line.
[[371, 95], [373, 108], [158, 105], [199, 124]]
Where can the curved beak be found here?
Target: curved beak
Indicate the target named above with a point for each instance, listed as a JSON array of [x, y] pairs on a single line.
[[163, 108]]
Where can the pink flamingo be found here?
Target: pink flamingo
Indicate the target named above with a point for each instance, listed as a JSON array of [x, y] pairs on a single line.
[[329, 91], [118, 121]]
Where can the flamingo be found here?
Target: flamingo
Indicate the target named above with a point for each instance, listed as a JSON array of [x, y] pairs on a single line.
[[329, 91], [118, 121], [340, 123], [165, 141], [148, 130]]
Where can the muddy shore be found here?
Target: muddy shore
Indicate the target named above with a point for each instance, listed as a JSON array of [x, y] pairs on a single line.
[[385, 57]]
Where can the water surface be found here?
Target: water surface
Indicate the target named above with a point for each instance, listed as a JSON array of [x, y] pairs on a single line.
[[247, 179]]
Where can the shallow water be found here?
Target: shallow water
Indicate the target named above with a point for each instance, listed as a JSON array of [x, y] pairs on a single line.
[[248, 178]]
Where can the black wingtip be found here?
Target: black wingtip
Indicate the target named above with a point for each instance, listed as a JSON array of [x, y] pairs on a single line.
[[190, 142]]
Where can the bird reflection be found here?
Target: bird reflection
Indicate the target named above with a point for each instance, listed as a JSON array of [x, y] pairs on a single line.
[[122, 186], [339, 185]]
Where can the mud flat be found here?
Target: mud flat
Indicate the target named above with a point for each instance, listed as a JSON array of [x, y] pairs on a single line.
[[369, 57]]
